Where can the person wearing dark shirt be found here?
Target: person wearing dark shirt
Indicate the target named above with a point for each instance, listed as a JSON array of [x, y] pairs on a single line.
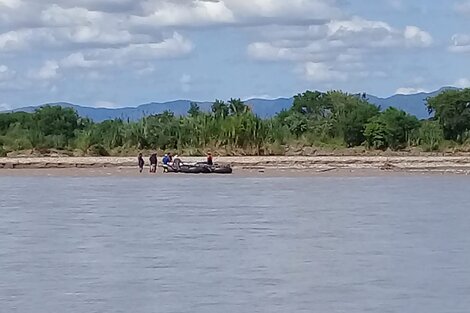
[[153, 163], [140, 159]]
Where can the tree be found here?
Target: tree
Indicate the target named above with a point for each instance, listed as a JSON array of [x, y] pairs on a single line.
[[350, 115], [110, 133], [58, 121], [331, 115], [316, 105], [329, 119], [297, 123], [390, 129], [194, 109], [355, 122], [162, 130], [220, 108], [376, 134], [430, 135], [237, 106], [9, 119], [452, 110]]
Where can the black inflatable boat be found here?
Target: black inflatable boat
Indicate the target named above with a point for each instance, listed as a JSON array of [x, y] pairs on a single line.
[[215, 168], [197, 168]]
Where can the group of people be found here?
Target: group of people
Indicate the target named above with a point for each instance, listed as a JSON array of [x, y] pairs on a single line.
[[153, 161], [166, 160]]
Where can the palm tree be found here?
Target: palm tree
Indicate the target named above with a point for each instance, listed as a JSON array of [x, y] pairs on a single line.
[[220, 108], [237, 106]]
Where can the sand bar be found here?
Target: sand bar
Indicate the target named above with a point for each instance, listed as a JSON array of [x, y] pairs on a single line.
[[247, 166]]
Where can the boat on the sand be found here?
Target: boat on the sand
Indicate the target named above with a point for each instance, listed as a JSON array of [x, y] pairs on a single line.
[[197, 168]]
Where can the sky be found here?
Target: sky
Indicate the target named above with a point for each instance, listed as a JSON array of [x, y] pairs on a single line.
[[115, 53]]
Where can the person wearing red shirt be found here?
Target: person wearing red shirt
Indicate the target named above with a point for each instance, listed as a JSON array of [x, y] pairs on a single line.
[[209, 159]]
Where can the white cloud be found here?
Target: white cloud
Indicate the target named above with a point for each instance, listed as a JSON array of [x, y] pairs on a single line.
[[172, 47], [338, 39], [92, 36], [11, 41], [110, 6], [56, 16], [462, 83], [356, 25], [73, 27], [94, 63], [376, 34], [338, 49], [98, 34], [461, 39], [48, 71], [170, 13], [416, 37], [460, 43], [77, 60], [78, 24], [294, 11], [24, 39], [237, 12], [410, 91], [155, 14], [319, 72]]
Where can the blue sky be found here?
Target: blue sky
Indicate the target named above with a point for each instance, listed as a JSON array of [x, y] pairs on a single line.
[[112, 53]]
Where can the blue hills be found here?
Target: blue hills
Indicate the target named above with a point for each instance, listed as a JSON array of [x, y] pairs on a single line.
[[413, 104]]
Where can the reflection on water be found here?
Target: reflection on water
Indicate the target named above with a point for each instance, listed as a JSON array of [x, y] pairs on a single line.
[[225, 244]]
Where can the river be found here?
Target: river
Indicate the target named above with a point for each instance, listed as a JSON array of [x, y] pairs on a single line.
[[234, 244]]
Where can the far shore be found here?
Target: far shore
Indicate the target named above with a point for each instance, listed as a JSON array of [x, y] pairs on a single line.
[[247, 166]]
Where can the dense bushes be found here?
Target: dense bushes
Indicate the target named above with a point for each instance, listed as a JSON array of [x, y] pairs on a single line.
[[391, 129], [452, 111], [333, 119]]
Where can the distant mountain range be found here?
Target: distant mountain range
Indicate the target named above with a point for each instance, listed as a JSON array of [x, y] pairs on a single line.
[[413, 104]]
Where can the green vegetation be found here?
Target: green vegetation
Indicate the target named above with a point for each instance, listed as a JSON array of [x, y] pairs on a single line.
[[331, 120], [392, 129], [452, 111]]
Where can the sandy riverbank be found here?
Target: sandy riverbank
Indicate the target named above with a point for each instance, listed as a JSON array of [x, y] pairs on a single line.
[[247, 166]]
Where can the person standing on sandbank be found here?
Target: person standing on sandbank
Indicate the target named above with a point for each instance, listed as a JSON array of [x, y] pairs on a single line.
[[153, 163], [141, 162], [209, 159]]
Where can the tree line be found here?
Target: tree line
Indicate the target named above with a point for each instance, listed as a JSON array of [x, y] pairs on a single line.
[[332, 119]]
